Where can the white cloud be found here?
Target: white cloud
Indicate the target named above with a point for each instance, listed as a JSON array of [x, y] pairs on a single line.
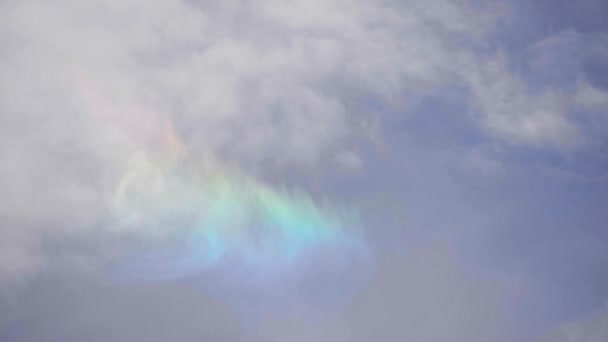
[[510, 111], [592, 97], [483, 160], [349, 160], [85, 84], [546, 114], [264, 83]]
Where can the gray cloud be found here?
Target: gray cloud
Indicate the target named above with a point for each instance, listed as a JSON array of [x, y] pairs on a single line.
[[432, 297], [589, 329], [428, 296], [84, 308]]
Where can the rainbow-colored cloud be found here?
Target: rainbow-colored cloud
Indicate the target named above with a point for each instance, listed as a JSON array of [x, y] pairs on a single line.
[[198, 216]]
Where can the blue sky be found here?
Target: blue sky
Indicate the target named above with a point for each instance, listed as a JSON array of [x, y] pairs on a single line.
[[470, 138]]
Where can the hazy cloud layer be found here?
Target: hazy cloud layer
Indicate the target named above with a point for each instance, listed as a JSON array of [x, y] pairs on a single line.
[[476, 125], [592, 329]]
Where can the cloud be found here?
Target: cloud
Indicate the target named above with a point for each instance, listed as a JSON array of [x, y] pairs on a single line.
[[544, 96], [511, 112], [263, 84], [279, 91], [589, 329], [349, 160], [202, 215], [95, 310], [267, 85], [430, 295], [592, 97]]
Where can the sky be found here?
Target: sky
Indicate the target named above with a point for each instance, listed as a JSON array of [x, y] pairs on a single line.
[[278, 171]]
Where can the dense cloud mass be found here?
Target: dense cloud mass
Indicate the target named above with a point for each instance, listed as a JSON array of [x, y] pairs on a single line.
[[437, 169]]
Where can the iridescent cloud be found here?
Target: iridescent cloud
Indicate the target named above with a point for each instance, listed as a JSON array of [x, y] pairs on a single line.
[[197, 215]]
